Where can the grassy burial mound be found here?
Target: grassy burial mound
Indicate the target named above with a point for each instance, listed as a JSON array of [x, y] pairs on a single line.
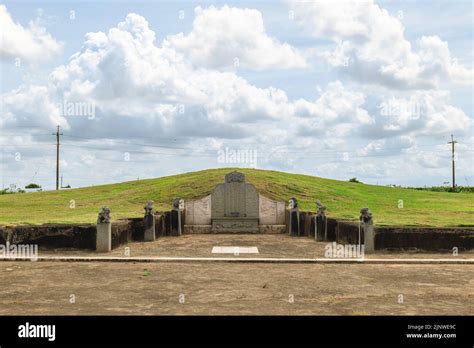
[[343, 199]]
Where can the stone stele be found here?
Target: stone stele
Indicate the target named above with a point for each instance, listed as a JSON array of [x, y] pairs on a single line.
[[235, 205]]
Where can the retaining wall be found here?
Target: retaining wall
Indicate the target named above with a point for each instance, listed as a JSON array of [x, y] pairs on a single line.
[[83, 236], [307, 220], [433, 239], [394, 238], [48, 235], [406, 238]]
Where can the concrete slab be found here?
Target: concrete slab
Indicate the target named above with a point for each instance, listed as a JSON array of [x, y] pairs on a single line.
[[234, 250], [239, 260]]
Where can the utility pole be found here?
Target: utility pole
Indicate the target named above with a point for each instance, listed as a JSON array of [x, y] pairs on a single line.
[[452, 142], [57, 156]]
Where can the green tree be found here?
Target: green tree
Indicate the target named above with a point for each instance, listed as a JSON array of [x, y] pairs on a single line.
[[354, 180], [32, 186]]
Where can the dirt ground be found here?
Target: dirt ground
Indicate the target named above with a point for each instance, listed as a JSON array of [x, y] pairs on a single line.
[[126, 288], [270, 245]]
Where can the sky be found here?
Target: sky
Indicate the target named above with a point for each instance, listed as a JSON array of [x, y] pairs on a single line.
[[143, 89]]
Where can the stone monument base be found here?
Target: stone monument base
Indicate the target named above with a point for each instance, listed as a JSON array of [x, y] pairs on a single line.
[[197, 229], [235, 225], [104, 237], [207, 229], [272, 229]]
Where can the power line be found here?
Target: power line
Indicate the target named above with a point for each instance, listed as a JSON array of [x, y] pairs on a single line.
[[325, 154], [282, 147], [57, 157], [452, 142], [130, 143]]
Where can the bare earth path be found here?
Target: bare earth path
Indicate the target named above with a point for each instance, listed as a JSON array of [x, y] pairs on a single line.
[[270, 245], [222, 288]]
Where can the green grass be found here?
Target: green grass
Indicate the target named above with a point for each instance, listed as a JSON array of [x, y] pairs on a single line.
[[343, 199]]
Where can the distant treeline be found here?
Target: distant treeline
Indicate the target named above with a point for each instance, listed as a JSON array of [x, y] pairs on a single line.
[[465, 189]]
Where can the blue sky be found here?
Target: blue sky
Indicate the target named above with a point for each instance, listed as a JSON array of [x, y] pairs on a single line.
[[334, 89]]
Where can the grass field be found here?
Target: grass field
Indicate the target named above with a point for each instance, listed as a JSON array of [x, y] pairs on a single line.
[[343, 199]]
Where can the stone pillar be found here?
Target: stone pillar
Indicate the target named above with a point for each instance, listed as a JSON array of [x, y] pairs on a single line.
[[176, 217], [149, 223], [369, 238], [367, 226], [321, 228], [294, 218], [104, 231], [320, 222]]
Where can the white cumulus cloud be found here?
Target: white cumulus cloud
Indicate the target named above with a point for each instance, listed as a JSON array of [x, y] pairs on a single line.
[[32, 43], [370, 45], [229, 37]]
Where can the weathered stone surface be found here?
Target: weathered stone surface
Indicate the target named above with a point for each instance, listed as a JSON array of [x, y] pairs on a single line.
[[321, 208], [197, 229], [235, 177], [175, 223], [365, 216], [56, 236], [122, 232], [198, 212], [149, 222], [149, 209], [233, 225], [321, 227], [347, 232], [305, 223], [235, 205], [367, 226], [293, 203], [271, 212], [293, 218], [160, 228], [424, 238], [104, 215], [235, 200], [369, 238], [293, 221], [104, 237], [178, 204], [272, 229]]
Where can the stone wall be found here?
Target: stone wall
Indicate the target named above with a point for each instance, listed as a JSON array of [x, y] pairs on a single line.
[[271, 212], [165, 225], [431, 239], [71, 236], [406, 238], [198, 215], [198, 211], [234, 197], [48, 235], [197, 229], [271, 229], [160, 228], [122, 232], [347, 232], [307, 220], [83, 236], [137, 227], [394, 238]]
